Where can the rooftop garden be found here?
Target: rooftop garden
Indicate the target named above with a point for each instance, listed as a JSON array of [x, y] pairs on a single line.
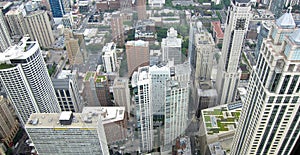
[[88, 75], [5, 66], [220, 119], [100, 78]]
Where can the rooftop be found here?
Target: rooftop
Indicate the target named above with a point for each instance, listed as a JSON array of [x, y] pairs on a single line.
[[286, 21], [217, 28], [64, 74], [89, 75], [108, 114], [52, 120], [109, 47], [138, 43], [100, 78], [221, 119]]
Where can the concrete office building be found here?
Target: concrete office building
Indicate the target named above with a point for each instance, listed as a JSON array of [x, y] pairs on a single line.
[[122, 94], [16, 21], [137, 53], [228, 75], [67, 91], [25, 78], [75, 55], [9, 125], [109, 57], [171, 47], [117, 29], [114, 122], [204, 54], [5, 40], [141, 84], [39, 28], [270, 119], [67, 133]]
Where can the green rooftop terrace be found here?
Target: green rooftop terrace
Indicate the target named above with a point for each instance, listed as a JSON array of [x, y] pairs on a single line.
[[6, 66], [100, 78], [220, 119], [88, 75]]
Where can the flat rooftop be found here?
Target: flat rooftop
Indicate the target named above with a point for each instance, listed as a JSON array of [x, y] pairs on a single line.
[[89, 75], [221, 119], [217, 28], [51, 120], [108, 114]]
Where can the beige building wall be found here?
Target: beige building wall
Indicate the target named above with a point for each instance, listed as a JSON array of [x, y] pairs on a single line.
[[39, 28], [16, 22], [117, 29]]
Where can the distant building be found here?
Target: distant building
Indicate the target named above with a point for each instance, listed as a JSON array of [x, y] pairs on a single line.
[[171, 47], [207, 95], [137, 53], [67, 133], [141, 9], [117, 29], [89, 89], [5, 40], [218, 34], [16, 22], [114, 121], [67, 92], [183, 146], [109, 57], [83, 7], [57, 8], [276, 7], [8, 123], [121, 93], [145, 30], [264, 32], [102, 90], [156, 3], [75, 56], [26, 80], [39, 27]]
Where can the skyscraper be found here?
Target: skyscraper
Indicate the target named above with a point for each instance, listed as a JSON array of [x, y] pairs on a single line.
[[141, 9], [16, 22], [75, 56], [8, 123], [276, 7], [171, 47], [117, 29], [137, 53], [57, 8], [39, 28], [228, 73], [109, 57], [25, 78], [141, 84], [67, 91], [270, 119], [121, 93], [5, 40], [67, 133]]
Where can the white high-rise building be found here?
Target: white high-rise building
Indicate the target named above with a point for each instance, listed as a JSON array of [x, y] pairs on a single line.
[[122, 93], [109, 57], [171, 47], [228, 75], [141, 84], [25, 78], [204, 45], [5, 40], [67, 133], [270, 119]]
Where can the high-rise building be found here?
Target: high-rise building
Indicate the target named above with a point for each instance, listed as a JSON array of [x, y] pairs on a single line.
[[109, 57], [176, 104], [5, 40], [270, 119], [67, 91], [264, 32], [67, 133], [228, 70], [137, 53], [57, 8], [102, 90], [121, 93], [8, 123], [39, 28], [117, 29], [276, 7], [204, 46], [16, 22], [25, 78], [141, 84], [75, 55], [141, 9], [89, 89], [171, 47]]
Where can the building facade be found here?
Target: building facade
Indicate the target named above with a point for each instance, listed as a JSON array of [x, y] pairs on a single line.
[[5, 40], [67, 91], [67, 133], [117, 29], [16, 22], [121, 93], [270, 119], [141, 9], [39, 28], [9, 125], [228, 73], [25, 78], [109, 57], [75, 55], [138, 55], [57, 8], [171, 47]]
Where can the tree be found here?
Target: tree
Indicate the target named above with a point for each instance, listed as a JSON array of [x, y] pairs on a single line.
[[161, 33]]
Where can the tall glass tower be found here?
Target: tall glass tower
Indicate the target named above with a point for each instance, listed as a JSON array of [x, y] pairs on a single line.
[[57, 8]]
